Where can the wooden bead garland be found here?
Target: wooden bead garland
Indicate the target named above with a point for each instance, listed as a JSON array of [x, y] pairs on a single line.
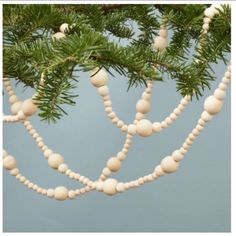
[[143, 127]]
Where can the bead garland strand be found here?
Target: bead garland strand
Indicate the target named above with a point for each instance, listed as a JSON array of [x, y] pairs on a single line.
[[23, 110]]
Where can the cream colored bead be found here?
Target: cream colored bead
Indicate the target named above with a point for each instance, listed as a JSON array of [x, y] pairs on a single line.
[[183, 150], [205, 26], [139, 116], [50, 192], [71, 194], [225, 80], [114, 164], [124, 128], [106, 171], [61, 193], [99, 186], [121, 156], [206, 116], [109, 186], [120, 187], [227, 75], [169, 165], [213, 105], [58, 35], [146, 96], [159, 170], [55, 160], [201, 122], [64, 28], [132, 129], [164, 124], [156, 127], [4, 153], [103, 90], [177, 155], [99, 77], [120, 123], [140, 181], [28, 107], [206, 20], [195, 132], [168, 121], [173, 116], [107, 103], [9, 162], [62, 168], [177, 111], [160, 43], [199, 128], [14, 171], [209, 12], [143, 106], [184, 101], [47, 153], [219, 94], [163, 33], [223, 86], [72, 175], [35, 187], [186, 146], [108, 110], [144, 128], [13, 99], [115, 120], [39, 190], [112, 115], [16, 107]]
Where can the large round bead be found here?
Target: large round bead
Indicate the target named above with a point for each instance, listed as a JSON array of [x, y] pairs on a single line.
[[114, 164], [213, 105], [144, 128], [99, 77], [9, 162], [160, 43], [169, 165], [28, 107], [58, 35], [61, 193], [109, 186], [16, 107], [143, 106], [64, 27], [55, 160]]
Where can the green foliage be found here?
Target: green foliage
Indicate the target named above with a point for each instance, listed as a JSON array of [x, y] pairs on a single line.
[[29, 50]]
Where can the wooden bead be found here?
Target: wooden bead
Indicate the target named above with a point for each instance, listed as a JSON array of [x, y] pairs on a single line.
[[109, 186], [160, 43], [201, 122], [55, 160], [206, 20], [159, 171], [13, 99], [121, 156], [106, 171], [71, 194], [64, 28], [223, 86], [132, 129], [156, 127], [139, 116], [58, 35], [213, 105], [114, 164], [183, 150], [177, 155], [143, 106], [227, 75], [206, 116], [107, 103], [219, 94], [146, 96], [209, 12], [103, 90], [16, 107], [112, 115], [168, 121], [4, 153], [144, 128], [9, 162], [184, 101], [120, 187], [99, 186], [14, 171], [115, 120], [61, 193], [169, 165], [99, 77], [173, 116], [177, 111], [164, 124], [28, 107], [47, 153], [62, 168], [120, 123], [205, 26], [124, 128], [163, 33], [108, 110]]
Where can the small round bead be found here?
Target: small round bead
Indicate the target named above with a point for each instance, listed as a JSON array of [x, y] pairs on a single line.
[[132, 129], [44, 191], [55, 160], [61, 193], [112, 115], [108, 109], [143, 106], [16, 107], [156, 127], [114, 164], [177, 111], [160, 43], [219, 94], [115, 120], [64, 27], [227, 75], [225, 80], [109, 186], [103, 90], [164, 124], [13, 99], [47, 153], [184, 101], [14, 171], [4, 153], [209, 12], [120, 123], [173, 116], [159, 170], [106, 171], [107, 103], [9, 162], [124, 128], [213, 105], [205, 26], [28, 107], [99, 77], [163, 33], [62, 168], [72, 175], [35, 187], [177, 155], [168, 121], [146, 96], [201, 122], [58, 35], [144, 128], [206, 116], [71, 194], [199, 127], [183, 150], [121, 156], [206, 20], [22, 179], [120, 187], [99, 186], [169, 165]]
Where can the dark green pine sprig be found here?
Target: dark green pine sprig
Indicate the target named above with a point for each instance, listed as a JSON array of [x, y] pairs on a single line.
[[91, 41]]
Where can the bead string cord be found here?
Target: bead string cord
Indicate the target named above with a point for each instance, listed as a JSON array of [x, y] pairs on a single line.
[[22, 111]]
